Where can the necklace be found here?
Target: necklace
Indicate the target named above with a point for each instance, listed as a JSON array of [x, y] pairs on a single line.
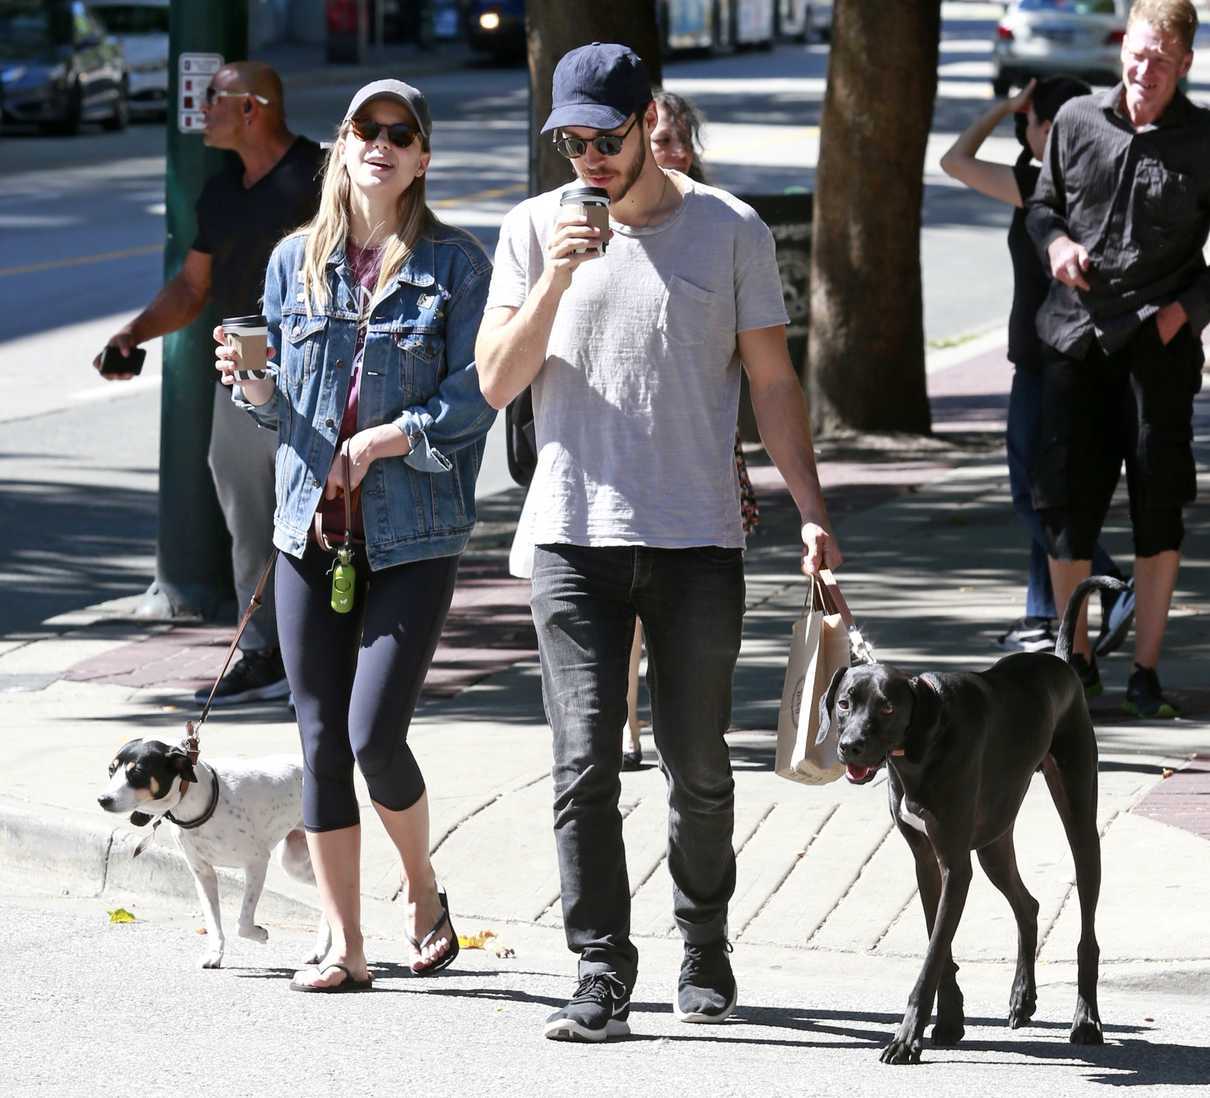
[[659, 204]]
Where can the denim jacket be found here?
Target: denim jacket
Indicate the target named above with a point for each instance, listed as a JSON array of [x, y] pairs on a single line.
[[417, 372]]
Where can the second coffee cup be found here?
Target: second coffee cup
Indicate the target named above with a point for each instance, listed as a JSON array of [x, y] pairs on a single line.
[[594, 202], [249, 335]]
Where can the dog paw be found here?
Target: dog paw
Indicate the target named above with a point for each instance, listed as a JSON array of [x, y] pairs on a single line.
[[254, 933], [902, 1050], [1021, 1011], [212, 960], [1087, 1032], [948, 1032]]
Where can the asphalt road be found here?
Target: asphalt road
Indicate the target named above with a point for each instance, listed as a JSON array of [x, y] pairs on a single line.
[[95, 1007]]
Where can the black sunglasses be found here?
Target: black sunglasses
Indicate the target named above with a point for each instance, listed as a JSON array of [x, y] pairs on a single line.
[[399, 134], [607, 144]]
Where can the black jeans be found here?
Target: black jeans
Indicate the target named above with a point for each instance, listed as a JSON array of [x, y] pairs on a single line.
[[691, 603]]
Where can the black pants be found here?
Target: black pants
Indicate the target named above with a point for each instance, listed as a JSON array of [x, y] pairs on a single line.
[[691, 602], [1134, 406], [356, 677]]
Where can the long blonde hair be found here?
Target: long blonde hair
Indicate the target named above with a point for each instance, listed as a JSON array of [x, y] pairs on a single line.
[[329, 229]]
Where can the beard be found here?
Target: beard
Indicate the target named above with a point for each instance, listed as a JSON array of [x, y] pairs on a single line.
[[631, 175]]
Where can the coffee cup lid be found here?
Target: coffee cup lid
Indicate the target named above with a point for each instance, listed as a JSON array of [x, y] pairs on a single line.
[[584, 194], [253, 321]]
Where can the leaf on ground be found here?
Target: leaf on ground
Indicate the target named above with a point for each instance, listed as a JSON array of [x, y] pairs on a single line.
[[121, 915], [486, 939]]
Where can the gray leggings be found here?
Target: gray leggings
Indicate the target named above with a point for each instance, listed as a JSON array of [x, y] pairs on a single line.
[[356, 677]]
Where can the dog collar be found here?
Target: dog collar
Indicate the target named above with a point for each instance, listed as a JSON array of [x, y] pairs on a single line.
[[189, 825]]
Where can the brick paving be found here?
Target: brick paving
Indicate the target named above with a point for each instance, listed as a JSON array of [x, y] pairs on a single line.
[[1182, 799]]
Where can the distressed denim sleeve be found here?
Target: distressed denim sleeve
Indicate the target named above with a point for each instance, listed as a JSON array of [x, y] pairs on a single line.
[[1046, 210], [457, 415], [268, 414]]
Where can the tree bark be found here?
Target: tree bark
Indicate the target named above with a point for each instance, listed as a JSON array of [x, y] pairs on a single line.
[[553, 27], [867, 314]]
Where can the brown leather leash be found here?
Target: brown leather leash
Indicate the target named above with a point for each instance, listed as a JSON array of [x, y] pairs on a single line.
[[318, 527]]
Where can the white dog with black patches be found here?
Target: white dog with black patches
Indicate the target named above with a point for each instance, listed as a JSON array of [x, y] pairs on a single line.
[[231, 813]]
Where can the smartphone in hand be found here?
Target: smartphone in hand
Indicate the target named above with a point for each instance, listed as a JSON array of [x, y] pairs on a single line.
[[114, 362]]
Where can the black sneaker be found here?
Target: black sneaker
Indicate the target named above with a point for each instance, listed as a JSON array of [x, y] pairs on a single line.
[[1089, 675], [598, 1010], [1028, 635], [1117, 614], [706, 990], [256, 676], [1144, 698]]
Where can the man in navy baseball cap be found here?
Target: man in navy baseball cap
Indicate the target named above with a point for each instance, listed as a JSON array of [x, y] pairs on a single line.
[[598, 86]]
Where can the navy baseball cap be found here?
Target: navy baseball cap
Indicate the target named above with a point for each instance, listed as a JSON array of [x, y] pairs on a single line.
[[598, 86], [397, 90]]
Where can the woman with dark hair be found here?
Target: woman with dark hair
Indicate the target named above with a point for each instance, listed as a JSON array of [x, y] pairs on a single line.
[[1035, 109]]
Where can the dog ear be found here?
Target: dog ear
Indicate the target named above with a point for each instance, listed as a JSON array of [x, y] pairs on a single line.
[[833, 690], [926, 715], [178, 760], [139, 819]]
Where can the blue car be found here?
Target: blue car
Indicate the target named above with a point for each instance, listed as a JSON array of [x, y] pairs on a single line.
[[58, 67]]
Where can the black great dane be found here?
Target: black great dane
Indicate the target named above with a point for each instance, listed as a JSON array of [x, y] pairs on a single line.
[[961, 749]]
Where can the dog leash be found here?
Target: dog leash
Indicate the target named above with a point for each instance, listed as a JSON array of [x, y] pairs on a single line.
[[191, 744]]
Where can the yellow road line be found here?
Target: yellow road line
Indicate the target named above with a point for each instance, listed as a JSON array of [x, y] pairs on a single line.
[[80, 260], [479, 196]]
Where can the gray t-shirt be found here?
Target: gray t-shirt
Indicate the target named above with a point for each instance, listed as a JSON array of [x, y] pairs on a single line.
[[636, 404]]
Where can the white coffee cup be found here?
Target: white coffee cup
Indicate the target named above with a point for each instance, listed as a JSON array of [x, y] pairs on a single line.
[[594, 205], [249, 335]]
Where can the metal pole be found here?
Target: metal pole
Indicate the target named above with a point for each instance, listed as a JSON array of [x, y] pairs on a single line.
[[193, 555]]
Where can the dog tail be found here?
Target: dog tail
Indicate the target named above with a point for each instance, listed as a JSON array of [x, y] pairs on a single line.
[[1068, 628]]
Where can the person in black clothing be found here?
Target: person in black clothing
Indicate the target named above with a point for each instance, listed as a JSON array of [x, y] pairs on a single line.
[[1121, 213], [243, 211], [1034, 110]]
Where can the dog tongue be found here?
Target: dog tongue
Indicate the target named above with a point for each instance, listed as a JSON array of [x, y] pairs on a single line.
[[858, 773]]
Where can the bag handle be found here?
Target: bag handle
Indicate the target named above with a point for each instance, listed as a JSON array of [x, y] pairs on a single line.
[[823, 593], [318, 522]]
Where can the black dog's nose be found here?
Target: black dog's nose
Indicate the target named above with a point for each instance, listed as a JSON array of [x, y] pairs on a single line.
[[850, 748]]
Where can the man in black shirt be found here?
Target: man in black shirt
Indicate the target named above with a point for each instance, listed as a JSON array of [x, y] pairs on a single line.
[[243, 211], [1121, 213]]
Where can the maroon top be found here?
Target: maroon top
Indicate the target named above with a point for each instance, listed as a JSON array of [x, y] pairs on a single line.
[[364, 264]]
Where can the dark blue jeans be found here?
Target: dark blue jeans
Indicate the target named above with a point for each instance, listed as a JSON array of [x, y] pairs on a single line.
[[1024, 424], [691, 603]]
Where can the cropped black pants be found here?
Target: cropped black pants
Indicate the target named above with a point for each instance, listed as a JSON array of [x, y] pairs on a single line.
[[356, 677]]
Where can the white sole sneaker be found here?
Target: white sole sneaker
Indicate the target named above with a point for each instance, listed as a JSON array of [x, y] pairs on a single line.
[[704, 1019], [568, 1029]]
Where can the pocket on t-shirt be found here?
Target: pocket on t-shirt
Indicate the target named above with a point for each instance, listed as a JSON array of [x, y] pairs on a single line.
[[688, 312]]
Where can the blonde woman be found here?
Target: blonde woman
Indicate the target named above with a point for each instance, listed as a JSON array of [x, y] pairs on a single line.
[[373, 310]]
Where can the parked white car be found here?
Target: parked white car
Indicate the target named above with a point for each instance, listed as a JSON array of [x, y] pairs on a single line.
[[141, 28], [1039, 38]]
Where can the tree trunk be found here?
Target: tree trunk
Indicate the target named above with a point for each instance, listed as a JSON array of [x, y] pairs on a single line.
[[553, 27], [867, 313]]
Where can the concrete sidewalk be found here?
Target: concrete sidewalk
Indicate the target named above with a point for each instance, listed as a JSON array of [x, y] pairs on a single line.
[[935, 570]]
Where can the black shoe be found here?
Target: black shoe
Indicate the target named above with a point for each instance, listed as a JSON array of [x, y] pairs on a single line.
[[598, 1010], [1144, 698], [257, 676], [1089, 675], [1117, 614], [1028, 635], [706, 990], [632, 760]]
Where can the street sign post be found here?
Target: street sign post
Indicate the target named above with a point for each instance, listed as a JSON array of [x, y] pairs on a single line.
[[193, 557]]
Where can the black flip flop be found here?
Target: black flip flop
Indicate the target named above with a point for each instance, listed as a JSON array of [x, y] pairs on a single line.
[[347, 984], [447, 958]]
